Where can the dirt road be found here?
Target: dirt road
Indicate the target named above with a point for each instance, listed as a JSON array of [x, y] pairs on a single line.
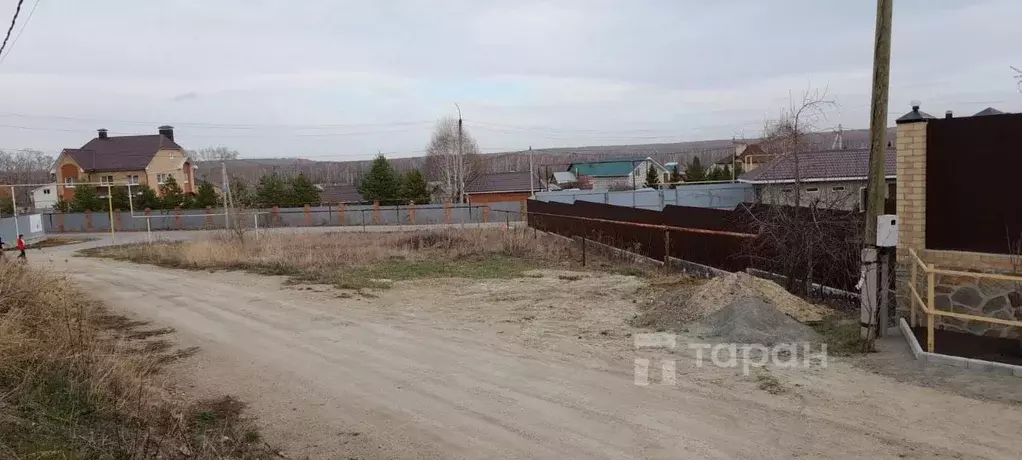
[[533, 368]]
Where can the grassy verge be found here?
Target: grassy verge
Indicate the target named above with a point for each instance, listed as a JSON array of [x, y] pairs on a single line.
[[77, 383], [359, 260]]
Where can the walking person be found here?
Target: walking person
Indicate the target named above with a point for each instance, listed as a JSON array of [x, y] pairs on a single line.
[[21, 247]]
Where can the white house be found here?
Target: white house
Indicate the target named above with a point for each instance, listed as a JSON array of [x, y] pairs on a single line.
[[45, 197], [629, 173]]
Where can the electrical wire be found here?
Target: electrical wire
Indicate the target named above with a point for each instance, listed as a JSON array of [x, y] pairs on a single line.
[[20, 31], [10, 29]]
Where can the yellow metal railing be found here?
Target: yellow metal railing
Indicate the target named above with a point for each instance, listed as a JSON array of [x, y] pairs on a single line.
[[928, 307]]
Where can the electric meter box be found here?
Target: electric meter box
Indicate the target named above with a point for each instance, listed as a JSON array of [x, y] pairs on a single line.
[[887, 231]]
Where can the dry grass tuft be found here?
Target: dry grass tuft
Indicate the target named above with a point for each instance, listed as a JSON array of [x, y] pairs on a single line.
[[74, 385], [356, 261]]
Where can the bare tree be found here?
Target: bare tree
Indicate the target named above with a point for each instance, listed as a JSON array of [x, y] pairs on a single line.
[[443, 163], [1018, 77], [25, 167], [218, 153]]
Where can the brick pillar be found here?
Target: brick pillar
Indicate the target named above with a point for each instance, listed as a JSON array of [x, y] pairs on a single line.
[[340, 212], [275, 217], [60, 222], [911, 191], [177, 218], [117, 220], [523, 211], [447, 211], [486, 213], [376, 212], [209, 218], [308, 216], [411, 213], [88, 221]]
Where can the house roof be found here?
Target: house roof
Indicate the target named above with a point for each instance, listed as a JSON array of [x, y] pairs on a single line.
[[501, 182], [818, 166], [340, 194], [609, 168], [988, 111], [120, 153]]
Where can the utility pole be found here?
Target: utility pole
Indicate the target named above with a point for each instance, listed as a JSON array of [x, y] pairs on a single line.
[[877, 151], [225, 192], [532, 176], [461, 161]]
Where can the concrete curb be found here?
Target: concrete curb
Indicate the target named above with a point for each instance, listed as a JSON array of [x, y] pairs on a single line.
[[955, 361]]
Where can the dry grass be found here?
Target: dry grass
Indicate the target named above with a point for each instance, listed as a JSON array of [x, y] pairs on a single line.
[[359, 260], [73, 385]]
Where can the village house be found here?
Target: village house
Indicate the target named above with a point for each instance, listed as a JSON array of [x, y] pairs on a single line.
[[834, 179], [119, 160], [44, 198], [629, 173], [494, 187]]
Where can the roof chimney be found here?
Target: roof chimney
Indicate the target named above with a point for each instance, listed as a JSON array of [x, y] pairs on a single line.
[[949, 114], [102, 133], [167, 131]]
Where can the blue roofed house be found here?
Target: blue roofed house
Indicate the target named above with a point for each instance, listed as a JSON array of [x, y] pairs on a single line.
[[617, 174]]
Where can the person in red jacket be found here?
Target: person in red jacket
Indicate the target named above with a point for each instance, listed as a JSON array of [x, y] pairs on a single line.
[[21, 246]]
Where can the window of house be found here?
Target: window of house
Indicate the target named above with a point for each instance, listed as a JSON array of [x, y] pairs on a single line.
[[133, 180], [838, 189], [69, 182], [161, 178], [106, 180], [46, 191], [892, 190], [812, 189]]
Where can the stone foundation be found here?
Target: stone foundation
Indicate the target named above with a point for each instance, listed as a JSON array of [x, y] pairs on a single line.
[[980, 297]]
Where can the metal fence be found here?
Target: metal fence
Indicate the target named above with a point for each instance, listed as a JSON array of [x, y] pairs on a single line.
[[972, 184], [717, 196], [309, 216]]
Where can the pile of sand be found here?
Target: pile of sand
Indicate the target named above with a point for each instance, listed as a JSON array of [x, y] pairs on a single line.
[[686, 303], [724, 290], [751, 320]]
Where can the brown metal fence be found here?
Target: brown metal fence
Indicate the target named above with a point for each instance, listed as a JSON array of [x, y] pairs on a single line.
[[727, 240], [972, 186]]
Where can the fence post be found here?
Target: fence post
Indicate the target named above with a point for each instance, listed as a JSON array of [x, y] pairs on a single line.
[[209, 218], [363, 219], [486, 213], [930, 281], [667, 249], [308, 217], [583, 250], [88, 221], [913, 288], [447, 211], [177, 217], [411, 212], [340, 213], [523, 210], [276, 215], [60, 222], [376, 212]]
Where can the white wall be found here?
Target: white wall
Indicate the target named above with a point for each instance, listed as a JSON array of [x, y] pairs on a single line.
[[44, 198]]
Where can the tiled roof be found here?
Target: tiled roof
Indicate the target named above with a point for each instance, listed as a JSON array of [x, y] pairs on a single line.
[[988, 111], [501, 182], [820, 166], [607, 168], [340, 194], [120, 153]]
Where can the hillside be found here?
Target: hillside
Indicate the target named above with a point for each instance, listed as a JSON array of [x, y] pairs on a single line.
[[349, 172]]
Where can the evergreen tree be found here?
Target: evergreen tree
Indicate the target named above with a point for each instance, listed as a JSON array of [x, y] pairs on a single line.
[[414, 188], [303, 192], [739, 169], [272, 191], [695, 171], [62, 205], [86, 199], [675, 176], [119, 197], [382, 183], [725, 174], [173, 196], [240, 192], [6, 205], [652, 176], [146, 198], [206, 195]]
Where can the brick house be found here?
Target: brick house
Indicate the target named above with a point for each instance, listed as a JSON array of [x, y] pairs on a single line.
[[118, 160], [836, 179], [494, 187]]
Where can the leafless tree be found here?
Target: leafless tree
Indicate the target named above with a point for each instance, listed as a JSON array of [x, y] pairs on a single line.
[[25, 167], [1018, 77], [218, 153], [445, 165]]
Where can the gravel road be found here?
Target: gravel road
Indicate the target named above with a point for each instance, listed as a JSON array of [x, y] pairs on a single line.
[[534, 368]]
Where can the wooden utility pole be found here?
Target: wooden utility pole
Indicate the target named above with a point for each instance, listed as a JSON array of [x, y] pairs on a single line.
[[532, 176], [461, 161], [877, 176]]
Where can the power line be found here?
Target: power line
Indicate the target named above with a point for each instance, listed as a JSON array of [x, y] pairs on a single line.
[[20, 31], [11, 28], [222, 125]]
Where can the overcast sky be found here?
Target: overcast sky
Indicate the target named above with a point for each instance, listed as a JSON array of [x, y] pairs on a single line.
[[327, 79]]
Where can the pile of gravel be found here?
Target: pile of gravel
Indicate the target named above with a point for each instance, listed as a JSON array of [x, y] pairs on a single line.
[[750, 320]]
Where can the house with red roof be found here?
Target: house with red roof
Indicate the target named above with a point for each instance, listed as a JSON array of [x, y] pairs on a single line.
[[119, 160]]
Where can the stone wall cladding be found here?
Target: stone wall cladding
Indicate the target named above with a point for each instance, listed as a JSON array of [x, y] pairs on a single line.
[[980, 297]]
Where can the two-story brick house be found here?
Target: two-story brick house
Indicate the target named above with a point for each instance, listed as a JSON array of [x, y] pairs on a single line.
[[118, 160]]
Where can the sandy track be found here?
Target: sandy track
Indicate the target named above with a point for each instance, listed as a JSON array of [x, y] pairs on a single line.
[[532, 368]]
